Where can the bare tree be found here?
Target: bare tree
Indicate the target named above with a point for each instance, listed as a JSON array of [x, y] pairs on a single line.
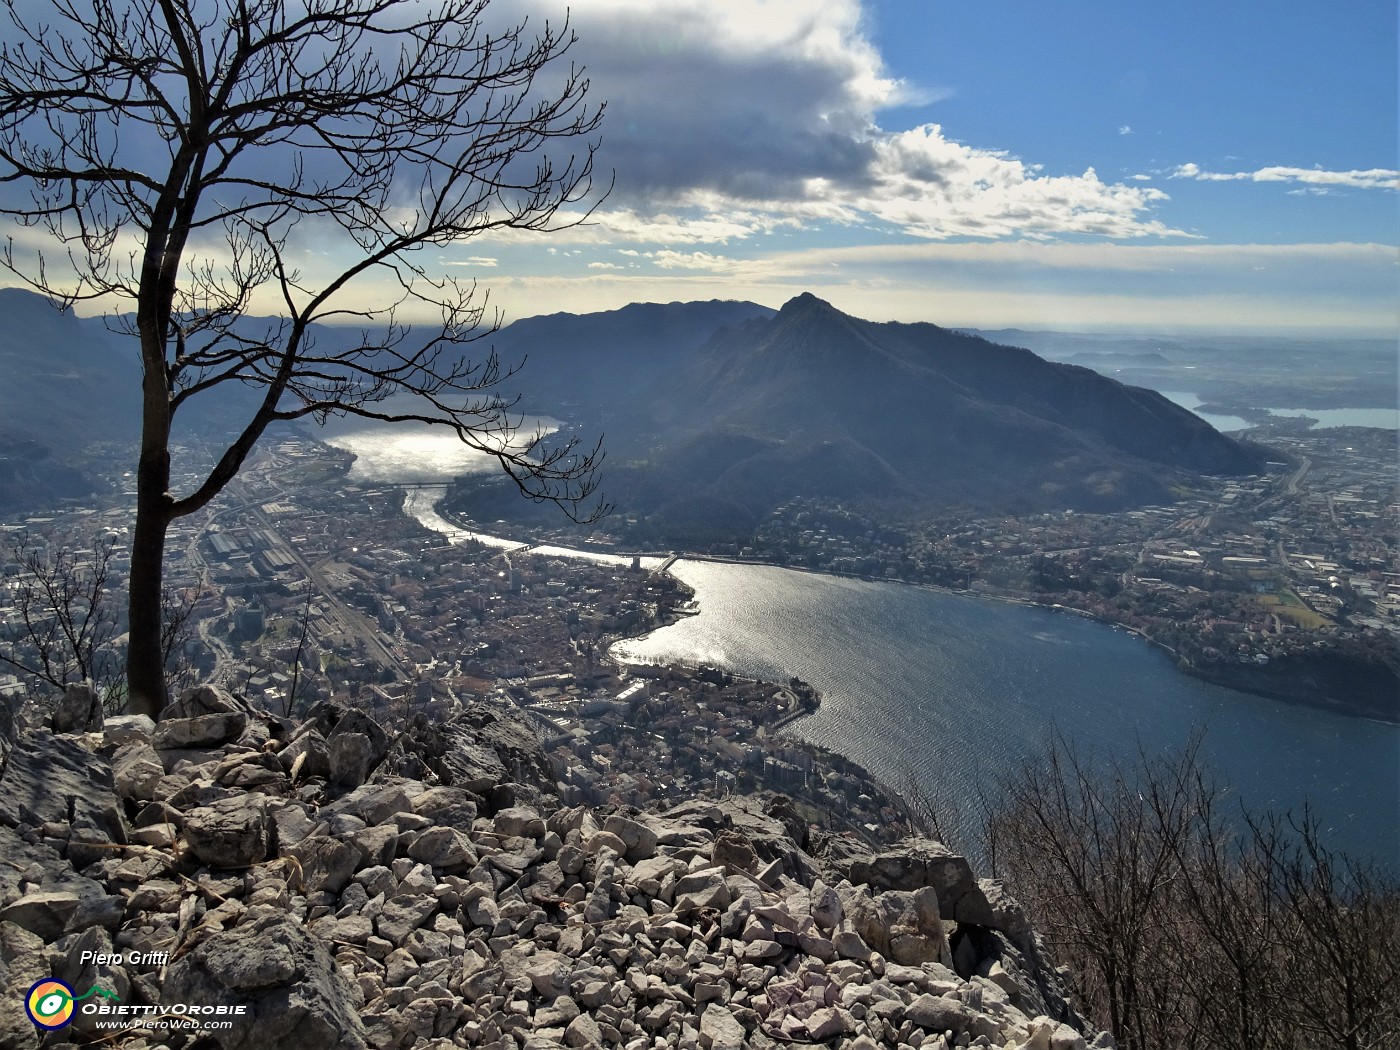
[[177, 610], [181, 150], [1187, 928], [64, 627], [1343, 923], [62, 623], [1094, 855], [303, 630]]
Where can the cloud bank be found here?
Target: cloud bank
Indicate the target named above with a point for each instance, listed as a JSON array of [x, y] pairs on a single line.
[[1369, 179], [735, 117]]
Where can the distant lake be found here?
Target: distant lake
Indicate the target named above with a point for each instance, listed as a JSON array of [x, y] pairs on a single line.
[[412, 453], [1382, 418], [1191, 401]]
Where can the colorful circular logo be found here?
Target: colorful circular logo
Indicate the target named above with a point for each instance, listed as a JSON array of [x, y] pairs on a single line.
[[50, 1003]]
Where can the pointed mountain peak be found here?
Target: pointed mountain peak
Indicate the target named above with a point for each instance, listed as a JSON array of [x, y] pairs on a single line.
[[803, 303]]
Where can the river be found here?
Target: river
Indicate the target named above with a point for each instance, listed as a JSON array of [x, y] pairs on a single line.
[[951, 689]]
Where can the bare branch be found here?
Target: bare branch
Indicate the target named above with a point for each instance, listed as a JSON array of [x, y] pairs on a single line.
[[177, 150]]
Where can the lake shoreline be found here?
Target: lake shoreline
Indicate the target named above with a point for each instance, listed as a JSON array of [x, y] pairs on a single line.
[[1252, 679], [979, 706]]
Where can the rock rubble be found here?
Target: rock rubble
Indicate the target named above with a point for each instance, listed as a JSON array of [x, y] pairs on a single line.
[[332, 883]]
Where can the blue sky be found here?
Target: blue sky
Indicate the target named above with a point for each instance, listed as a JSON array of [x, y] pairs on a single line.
[[1229, 87], [1208, 165], [1227, 166]]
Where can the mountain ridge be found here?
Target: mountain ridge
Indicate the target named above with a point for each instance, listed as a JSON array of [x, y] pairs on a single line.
[[911, 417]]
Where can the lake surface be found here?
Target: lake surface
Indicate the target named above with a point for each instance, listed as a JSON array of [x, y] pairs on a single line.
[[1193, 402], [414, 453], [1382, 418], [952, 689]]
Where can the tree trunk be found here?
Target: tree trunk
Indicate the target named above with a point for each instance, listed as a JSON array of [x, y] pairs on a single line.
[[145, 657]]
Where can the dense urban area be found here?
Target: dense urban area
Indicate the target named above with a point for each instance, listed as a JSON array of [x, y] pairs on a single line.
[[298, 584]]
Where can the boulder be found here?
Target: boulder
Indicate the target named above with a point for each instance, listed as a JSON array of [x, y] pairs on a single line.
[[764, 820], [136, 770], [79, 710], [307, 756], [294, 995], [378, 803], [326, 863], [204, 700], [941, 1013], [734, 852], [484, 746], [77, 967], [49, 914], [519, 822], [232, 832], [357, 744], [719, 1030], [638, 840], [446, 849], [919, 862], [452, 806], [1007, 914], [351, 758], [904, 926], [51, 778], [23, 961], [201, 731], [126, 729], [88, 843]]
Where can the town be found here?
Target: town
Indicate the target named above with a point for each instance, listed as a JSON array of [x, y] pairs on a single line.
[[298, 585], [1298, 562]]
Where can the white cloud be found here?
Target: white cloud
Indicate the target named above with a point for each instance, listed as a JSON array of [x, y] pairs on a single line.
[[703, 219], [672, 260], [738, 117], [1368, 179], [1125, 129], [930, 186]]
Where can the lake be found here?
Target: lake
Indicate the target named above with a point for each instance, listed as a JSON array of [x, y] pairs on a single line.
[[413, 453], [1381, 418], [951, 689], [1193, 402]]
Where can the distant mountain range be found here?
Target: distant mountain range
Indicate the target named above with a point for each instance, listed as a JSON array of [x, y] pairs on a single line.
[[715, 413], [62, 388]]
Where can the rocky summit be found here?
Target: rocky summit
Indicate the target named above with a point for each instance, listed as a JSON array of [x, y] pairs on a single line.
[[225, 878]]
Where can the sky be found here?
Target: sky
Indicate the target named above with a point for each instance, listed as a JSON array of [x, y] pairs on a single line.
[[1015, 163]]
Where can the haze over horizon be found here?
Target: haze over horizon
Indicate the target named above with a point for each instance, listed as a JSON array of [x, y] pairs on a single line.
[[1192, 167]]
